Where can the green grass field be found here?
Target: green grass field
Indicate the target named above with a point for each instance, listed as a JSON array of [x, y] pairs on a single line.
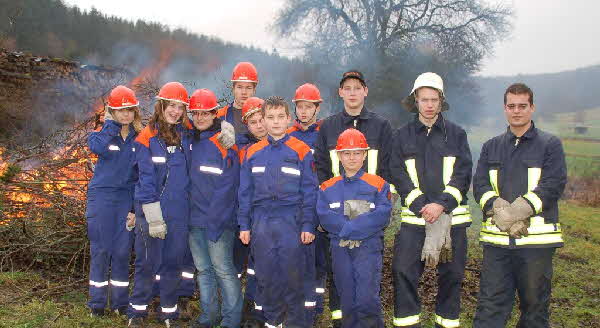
[[575, 302]]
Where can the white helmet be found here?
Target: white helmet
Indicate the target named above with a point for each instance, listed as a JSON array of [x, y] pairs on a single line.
[[430, 80]]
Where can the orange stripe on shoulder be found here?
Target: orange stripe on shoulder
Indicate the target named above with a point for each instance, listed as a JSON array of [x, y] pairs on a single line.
[[374, 180], [145, 135], [330, 182], [298, 146], [242, 154], [256, 147], [218, 145], [223, 111], [291, 129]]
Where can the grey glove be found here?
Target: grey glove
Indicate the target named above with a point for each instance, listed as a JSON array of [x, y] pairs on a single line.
[[344, 243], [349, 243], [354, 208], [227, 136], [446, 253], [502, 218], [519, 229], [107, 115], [435, 238], [354, 244], [521, 209], [156, 225]]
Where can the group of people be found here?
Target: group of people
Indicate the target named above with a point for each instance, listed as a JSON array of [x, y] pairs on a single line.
[[216, 193]]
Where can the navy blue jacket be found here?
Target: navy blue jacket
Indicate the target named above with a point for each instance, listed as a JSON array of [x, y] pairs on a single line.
[[278, 176], [362, 186], [115, 169], [309, 136], [214, 175]]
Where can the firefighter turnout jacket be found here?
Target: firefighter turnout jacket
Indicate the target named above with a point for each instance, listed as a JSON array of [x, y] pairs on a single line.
[[533, 167], [432, 165]]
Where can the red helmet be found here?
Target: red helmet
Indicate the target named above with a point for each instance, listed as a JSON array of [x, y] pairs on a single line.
[[244, 72], [251, 106], [351, 139], [203, 100], [174, 91], [122, 97], [307, 92]]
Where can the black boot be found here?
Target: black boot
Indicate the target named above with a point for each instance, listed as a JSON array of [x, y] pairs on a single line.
[[95, 313], [136, 323]]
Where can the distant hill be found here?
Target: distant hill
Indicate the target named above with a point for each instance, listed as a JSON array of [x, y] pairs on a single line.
[[554, 93]]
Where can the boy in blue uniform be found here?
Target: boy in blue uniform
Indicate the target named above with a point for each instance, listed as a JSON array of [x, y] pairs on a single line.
[[214, 177], [307, 101], [355, 209], [277, 197]]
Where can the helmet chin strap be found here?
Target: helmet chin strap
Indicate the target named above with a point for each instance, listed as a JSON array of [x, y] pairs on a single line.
[[298, 118]]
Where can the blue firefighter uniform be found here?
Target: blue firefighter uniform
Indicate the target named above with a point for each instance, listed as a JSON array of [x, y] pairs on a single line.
[[309, 136], [429, 165], [163, 177], [214, 175], [357, 271], [378, 132], [277, 198], [109, 200], [241, 252], [533, 167]]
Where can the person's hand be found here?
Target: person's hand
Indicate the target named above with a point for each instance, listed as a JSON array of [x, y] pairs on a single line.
[[245, 237], [431, 212], [130, 224], [307, 237]]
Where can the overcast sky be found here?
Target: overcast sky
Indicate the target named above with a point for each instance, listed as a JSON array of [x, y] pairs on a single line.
[[548, 35]]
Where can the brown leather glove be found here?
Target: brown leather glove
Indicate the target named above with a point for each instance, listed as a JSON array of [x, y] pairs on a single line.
[[519, 229]]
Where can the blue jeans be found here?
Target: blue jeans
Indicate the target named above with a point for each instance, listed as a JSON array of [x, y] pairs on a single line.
[[214, 262]]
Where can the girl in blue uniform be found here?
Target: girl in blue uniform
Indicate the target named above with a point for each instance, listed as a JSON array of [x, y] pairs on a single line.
[[110, 202], [162, 206]]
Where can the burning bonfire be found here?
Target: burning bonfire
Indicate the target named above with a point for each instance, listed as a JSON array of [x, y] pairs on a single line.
[[43, 189]]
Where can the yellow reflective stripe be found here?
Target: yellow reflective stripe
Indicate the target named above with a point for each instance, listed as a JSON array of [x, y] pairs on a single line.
[[498, 240], [412, 196], [533, 177], [372, 161], [447, 323], [486, 196], [335, 162], [462, 209], [454, 192], [407, 321], [535, 201], [554, 238], [393, 189], [494, 180], [460, 219], [448, 168], [336, 315], [411, 167]]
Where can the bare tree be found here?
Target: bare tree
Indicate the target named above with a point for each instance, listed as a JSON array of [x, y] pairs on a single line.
[[385, 28]]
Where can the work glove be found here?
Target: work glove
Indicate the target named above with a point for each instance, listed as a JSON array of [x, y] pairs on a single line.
[[107, 115], [354, 244], [354, 208], [349, 243], [521, 209], [519, 229], [156, 225], [435, 238], [446, 252], [503, 217], [227, 136]]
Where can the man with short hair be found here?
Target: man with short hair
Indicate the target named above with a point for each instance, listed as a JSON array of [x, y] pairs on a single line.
[[378, 131], [520, 176], [431, 168]]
